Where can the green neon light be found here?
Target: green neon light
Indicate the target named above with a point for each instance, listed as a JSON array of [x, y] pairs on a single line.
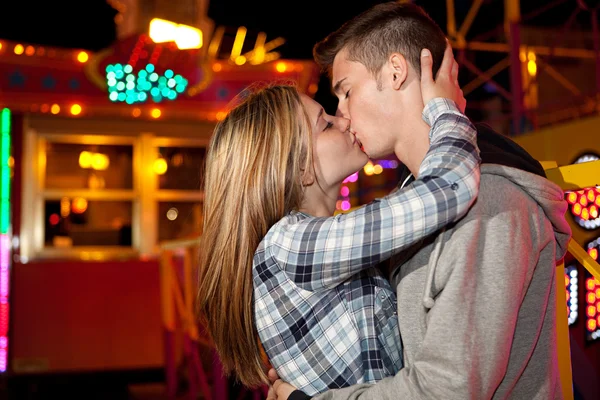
[[4, 171]]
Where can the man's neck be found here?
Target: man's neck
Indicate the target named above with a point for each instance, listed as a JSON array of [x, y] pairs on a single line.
[[411, 151]]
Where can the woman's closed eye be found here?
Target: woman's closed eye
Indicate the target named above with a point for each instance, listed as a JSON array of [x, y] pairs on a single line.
[[329, 125]]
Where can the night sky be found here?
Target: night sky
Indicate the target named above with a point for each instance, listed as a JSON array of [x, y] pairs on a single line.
[[90, 25]]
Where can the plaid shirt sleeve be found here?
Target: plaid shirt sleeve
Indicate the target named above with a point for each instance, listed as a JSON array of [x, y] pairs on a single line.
[[320, 253]]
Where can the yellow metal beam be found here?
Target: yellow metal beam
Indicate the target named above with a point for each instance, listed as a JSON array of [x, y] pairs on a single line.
[[576, 176], [539, 50], [215, 42], [584, 259], [567, 84], [450, 18], [512, 11], [548, 164], [166, 292], [466, 25], [486, 76]]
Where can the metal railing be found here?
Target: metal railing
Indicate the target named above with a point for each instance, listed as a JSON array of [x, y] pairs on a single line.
[[178, 277]]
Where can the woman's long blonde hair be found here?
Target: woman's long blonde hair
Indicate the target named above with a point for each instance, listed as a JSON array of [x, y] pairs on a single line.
[[254, 170]]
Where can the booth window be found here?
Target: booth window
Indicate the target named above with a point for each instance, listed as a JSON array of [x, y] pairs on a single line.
[[75, 221], [81, 175], [105, 197], [93, 167], [82, 196]]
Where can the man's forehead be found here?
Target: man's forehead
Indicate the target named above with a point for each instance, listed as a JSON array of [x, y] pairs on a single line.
[[340, 71], [340, 65]]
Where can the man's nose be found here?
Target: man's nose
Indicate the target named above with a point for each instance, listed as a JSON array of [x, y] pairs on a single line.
[[341, 113], [341, 123]]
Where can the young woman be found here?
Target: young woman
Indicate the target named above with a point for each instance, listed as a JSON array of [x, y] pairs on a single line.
[[278, 271]]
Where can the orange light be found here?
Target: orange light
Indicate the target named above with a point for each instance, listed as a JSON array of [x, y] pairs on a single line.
[[594, 212], [593, 252], [591, 195], [313, 87], [0, 45], [583, 201], [281, 67], [19, 49], [136, 112], [217, 67], [55, 109], [577, 209], [590, 284], [82, 57], [45, 108], [160, 166], [585, 214], [532, 67], [591, 298], [155, 113], [85, 159], [79, 205], [65, 207], [221, 115], [100, 162], [591, 325], [572, 198], [591, 311], [75, 109], [29, 50]]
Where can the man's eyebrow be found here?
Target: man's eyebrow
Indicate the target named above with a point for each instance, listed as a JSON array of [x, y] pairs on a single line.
[[336, 87]]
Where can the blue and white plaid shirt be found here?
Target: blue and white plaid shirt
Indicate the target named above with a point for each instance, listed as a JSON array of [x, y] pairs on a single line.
[[325, 315]]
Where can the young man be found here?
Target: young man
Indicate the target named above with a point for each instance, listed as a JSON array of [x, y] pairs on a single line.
[[476, 303]]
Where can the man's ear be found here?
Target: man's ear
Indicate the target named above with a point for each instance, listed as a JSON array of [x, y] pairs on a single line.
[[398, 70]]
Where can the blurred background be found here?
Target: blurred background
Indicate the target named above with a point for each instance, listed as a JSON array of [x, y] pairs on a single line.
[[106, 108]]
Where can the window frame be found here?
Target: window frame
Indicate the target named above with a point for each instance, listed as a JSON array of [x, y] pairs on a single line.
[[144, 195]]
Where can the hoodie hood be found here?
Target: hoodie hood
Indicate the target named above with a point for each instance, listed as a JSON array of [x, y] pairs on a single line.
[[547, 194], [502, 156]]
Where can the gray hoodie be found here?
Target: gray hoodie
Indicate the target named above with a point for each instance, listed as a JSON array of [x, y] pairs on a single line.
[[477, 302]]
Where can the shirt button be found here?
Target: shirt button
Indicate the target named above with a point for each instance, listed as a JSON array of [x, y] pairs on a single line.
[[454, 186]]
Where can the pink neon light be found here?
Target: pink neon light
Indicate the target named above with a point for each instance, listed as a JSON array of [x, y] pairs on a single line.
[[351, 178], [3, 318], [4, 263], [3, 360]]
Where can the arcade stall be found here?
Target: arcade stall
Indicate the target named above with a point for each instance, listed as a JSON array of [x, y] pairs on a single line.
[[101, 156]]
